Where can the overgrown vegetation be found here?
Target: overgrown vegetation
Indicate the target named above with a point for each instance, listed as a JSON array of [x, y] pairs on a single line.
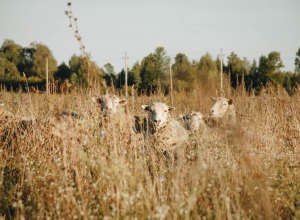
[[250, 172]]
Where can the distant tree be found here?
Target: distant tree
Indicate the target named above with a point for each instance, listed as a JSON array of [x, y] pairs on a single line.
[[40, 53], [110, 77], [250, 81], [120, 81], [10, 57], [79, 71], [218, 63], [163, 62], [297, 62], [12, 51], [135, 74], [295, 78], [149, 72], [26, 63], [269, 70], [154, 69], [207, 69], [181, 68], [287, 82], [133, 77], [184, 72], [96, 73], [237, 68], [8, 70], [63, 72], [295, 82]]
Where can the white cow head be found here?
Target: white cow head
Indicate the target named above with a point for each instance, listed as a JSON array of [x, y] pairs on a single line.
[[109, 103], [193, 120], [221, 107], [159, 114]]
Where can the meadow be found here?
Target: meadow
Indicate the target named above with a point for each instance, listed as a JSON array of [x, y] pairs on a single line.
[[248, 172]]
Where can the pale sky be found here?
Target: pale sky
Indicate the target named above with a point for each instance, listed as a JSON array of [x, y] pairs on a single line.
[[110, 28]]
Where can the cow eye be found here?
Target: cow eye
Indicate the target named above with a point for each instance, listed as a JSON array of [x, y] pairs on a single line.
[[166, 110]]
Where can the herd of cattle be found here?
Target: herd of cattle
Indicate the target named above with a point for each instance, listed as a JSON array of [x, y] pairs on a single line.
[[159, 128]]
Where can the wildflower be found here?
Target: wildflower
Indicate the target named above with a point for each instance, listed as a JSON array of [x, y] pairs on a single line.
[[161, 179], [102, 133], [25, 99], [278, 156]]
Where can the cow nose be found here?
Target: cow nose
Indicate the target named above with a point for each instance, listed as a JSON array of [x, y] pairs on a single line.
[[211, 111], [157, 121]]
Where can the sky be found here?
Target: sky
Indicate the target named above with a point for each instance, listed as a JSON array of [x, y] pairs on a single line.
[[111, 28]]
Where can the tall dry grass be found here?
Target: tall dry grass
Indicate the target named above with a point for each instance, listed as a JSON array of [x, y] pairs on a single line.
[[248, 172]]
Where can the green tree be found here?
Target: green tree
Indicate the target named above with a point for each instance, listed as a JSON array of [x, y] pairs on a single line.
[[207, 69], [40, 54], [26, 63], [250, 81], [184, 72], [297, 62], [96, 73], [63, 72], [154, 69], [269, 70], [181, 68], [8, 70], [12, 51], [110, 77], [133, 77], [238, 69], [79, 71], [135, 74], [10, 57], [295, 81], [287, 83]]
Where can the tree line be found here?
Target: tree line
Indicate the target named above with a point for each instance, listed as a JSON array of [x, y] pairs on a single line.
[[21, 66]]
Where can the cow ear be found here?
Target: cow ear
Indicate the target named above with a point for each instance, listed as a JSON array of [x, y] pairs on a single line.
[[212, 98], [171, 109], [145, 107], [230, 101], [123, 102], [96, 100]]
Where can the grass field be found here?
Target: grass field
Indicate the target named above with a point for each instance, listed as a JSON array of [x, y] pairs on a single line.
[[248, 172]]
